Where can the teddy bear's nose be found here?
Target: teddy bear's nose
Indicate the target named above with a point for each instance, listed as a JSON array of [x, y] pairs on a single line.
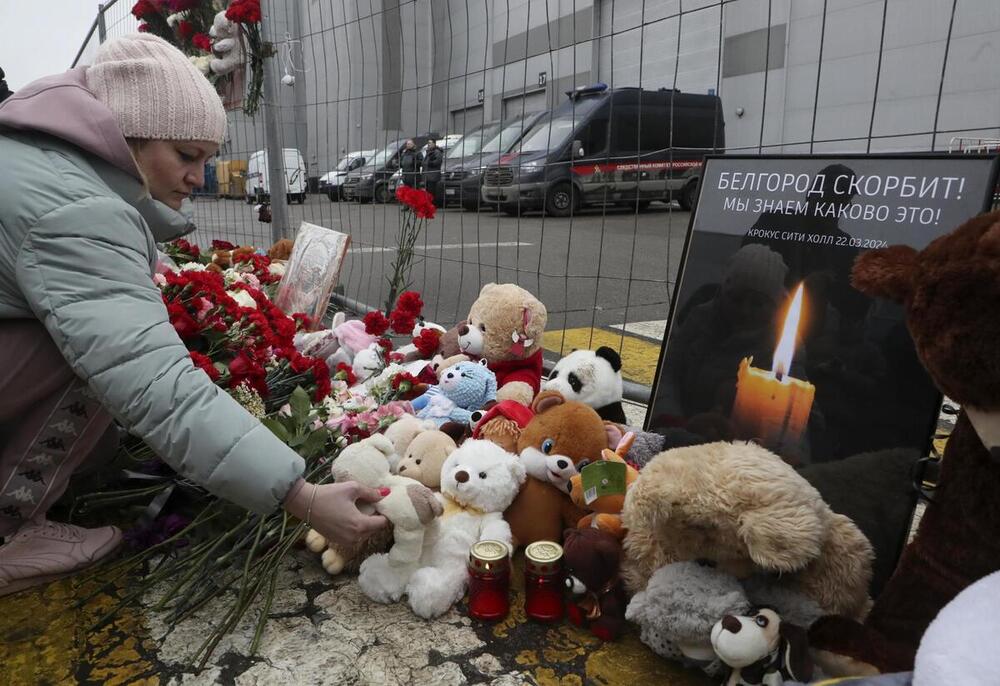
[[731, 624], [463, 330], [402, 468], [461, 476], [562, 464]]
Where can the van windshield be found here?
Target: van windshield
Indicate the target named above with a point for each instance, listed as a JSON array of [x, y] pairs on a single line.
[[471, 142], [384, 155], [548, 134], [503, 140]]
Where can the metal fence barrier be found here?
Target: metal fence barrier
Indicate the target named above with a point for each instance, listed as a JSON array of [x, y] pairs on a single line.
[[354, 76]]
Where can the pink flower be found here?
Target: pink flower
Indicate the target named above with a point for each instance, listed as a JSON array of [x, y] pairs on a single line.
[[160, 280]]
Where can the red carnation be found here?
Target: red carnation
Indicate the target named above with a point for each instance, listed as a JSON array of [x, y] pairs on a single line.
[[143, 28], [182, 5], [204, 363], [386, 344], [321, 373], [345, 373], [244, 368], [217, 244], [427, 342], [143, 9], [375, 323], [404, 378], [302, 321], [183, 323], [402, 323], [185, 29], [244, 12], [410, 303]]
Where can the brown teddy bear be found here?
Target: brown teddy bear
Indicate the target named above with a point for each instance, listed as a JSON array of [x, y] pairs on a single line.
[[281, 250], [745, 510], [424, 457], [562, 435], [950, 291], [591, 558], [505, 327]]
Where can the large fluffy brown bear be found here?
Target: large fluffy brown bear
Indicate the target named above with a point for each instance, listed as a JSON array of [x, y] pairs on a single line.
[[951, 293], [744, 509]]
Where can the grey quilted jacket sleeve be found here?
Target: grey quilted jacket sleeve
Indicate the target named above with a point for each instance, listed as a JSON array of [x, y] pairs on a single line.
[[85, 271]]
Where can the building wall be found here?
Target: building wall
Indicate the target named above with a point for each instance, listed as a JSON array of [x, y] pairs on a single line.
[[379, 69]]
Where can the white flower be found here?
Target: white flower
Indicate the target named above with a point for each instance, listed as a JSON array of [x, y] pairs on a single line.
[[160, 280], [202, 63], [172, 19], [193, 267], [242, 298], [232, 276], [277, 268]]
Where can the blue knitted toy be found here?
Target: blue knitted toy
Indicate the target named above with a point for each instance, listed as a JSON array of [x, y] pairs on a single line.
[[463, 388]]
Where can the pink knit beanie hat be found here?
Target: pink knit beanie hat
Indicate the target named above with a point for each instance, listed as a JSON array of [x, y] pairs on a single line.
[[155, 91]]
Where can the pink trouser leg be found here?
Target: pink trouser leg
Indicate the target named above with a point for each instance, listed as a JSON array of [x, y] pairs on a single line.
[[49, 423]]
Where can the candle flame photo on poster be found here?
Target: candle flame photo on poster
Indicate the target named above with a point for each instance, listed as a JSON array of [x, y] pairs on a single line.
[[772, 407]]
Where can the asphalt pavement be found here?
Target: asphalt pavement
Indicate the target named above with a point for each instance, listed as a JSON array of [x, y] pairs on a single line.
[[601, 268]]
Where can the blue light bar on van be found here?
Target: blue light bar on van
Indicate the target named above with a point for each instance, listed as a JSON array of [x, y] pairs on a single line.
[[598, 87]]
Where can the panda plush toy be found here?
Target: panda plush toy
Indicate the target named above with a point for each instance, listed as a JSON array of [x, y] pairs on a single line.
[[592, 377]]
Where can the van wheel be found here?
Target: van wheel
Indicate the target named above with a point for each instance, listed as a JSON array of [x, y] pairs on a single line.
[[381, 194], [333, 196], [688, 196], [562, 200]]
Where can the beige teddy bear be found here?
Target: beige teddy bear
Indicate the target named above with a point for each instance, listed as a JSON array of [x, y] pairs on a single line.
[[424, 457], [742, 508], [505, 326], [410, 506]]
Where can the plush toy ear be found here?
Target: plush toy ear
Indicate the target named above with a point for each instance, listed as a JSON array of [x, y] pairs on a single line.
[[611, 356], [886, 273], [546, 400], [486, 289], [338, 319], [781, 536], [795, 652], [989, 242], [614, 434]]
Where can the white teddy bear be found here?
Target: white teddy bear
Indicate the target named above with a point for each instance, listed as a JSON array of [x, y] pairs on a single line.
[[225, 45], [478, 482]]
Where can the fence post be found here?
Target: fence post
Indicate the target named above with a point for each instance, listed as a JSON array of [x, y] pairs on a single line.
[[272, 139], [102, 31]]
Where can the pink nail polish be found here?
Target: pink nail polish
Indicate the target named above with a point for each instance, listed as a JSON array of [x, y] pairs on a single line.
[[383, 491]]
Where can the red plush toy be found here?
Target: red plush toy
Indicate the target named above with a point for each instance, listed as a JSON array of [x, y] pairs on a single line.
[[591, 559], [951, 293]]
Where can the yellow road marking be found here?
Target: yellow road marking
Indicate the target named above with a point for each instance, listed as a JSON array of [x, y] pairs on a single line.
[[639, 356]]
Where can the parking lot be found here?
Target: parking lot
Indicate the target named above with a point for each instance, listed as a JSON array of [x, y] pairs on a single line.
[[603, 268]]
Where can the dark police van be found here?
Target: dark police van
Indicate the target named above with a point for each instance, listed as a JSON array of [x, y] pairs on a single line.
[[371, 182], [624, 146]]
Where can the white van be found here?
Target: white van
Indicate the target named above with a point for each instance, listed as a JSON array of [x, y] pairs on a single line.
[[258, 187]]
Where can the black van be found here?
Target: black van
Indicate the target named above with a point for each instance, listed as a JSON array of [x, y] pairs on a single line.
[[625, 146], [372, 180]]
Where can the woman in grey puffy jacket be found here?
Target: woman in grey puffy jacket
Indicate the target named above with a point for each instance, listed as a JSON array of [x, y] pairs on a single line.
[[99, 162]]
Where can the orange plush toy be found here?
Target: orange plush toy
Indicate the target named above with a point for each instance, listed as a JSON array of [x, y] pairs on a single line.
[[562, 435], [606, 510]]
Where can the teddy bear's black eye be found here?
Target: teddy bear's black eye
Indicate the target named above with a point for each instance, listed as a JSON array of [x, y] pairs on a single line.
[[482, 475], [418, 461], [547, 445], [482, 327], [761, 621]]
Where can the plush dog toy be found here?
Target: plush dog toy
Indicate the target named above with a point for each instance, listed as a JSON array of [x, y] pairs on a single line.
[[605, 510], [465, 387], [410, 506], [591, 559], [478, 482], [761, 649], [745, 510], [949, 292], [592, 377], [505, 326]]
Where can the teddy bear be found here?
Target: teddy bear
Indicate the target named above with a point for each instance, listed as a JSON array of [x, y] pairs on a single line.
[[593, 377], [225, 45], [560, 436], [479, 480], [424, 457], [742, 508], [681, 603], [605, 509], [463, 388], [282, 249], [402, 432], [409, 506], [505, 326], [762, 649], [949, 292], [591, 558]]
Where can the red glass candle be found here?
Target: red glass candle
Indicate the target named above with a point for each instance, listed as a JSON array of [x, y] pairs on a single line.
[[543, 581], [489, 581]]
